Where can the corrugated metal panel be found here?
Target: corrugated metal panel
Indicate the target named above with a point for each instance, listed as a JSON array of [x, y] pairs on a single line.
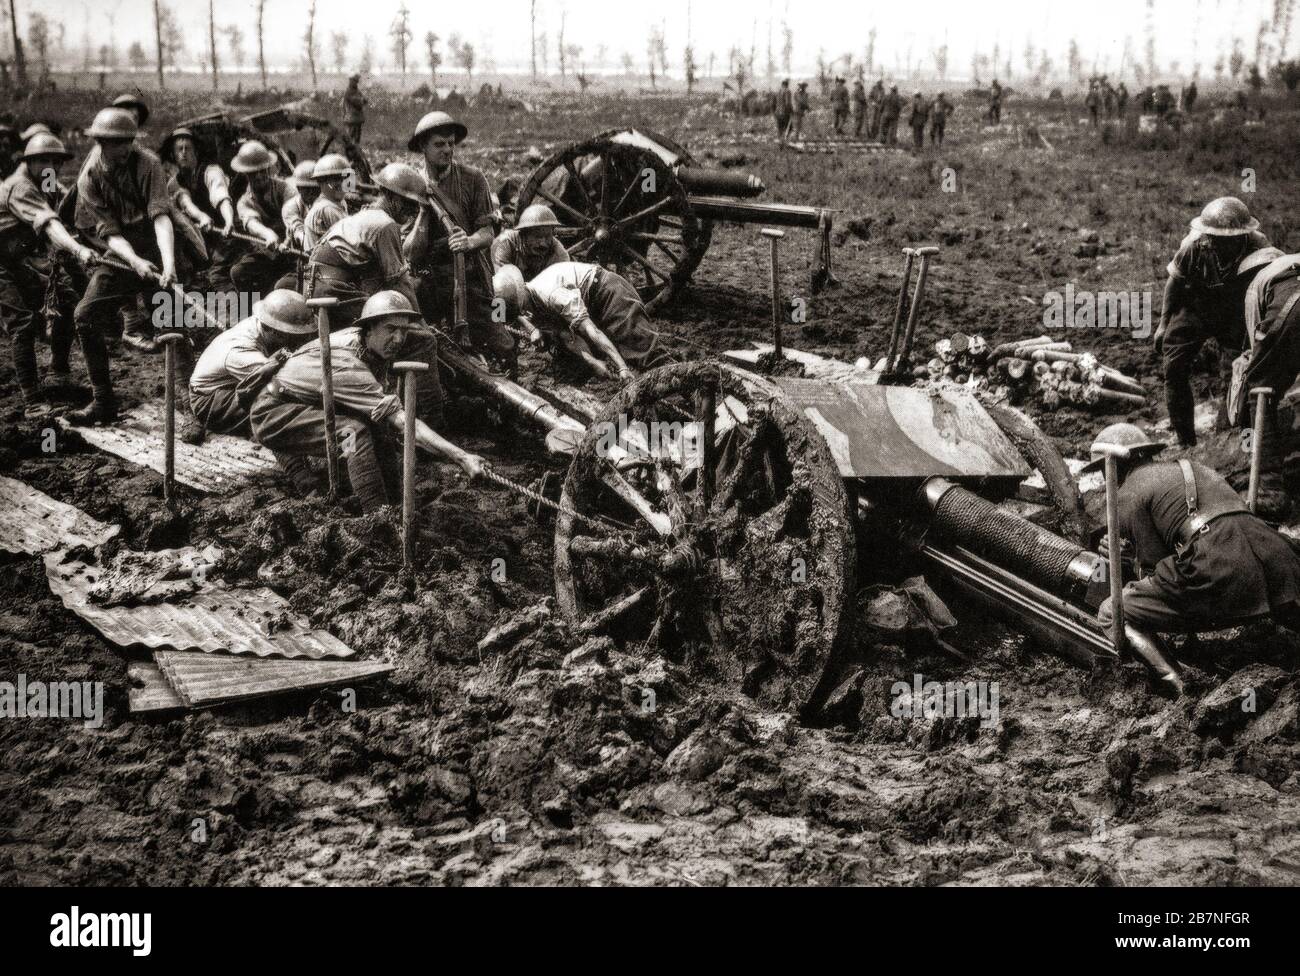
[[207, 679], [33, 522], [212, 618], [149, 690], [219, 465]]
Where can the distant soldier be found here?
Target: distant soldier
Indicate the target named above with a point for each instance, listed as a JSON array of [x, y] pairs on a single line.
[[531, 245], [784, 110], [330, 173], [875, 100], [1162, 102], [354, 108], [1121, 100], [859, 108], [1093, 103], [1108, 98], [260, 210], [135, 105], [995, 103], [801, 107], [1190, 94], [29, 198], [917, 119], [890, 112], [294, 211], [839, 106], [939, 113]]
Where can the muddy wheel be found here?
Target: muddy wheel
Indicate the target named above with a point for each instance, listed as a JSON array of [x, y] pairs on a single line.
[[738, 554], [1039, 450], [621, 206]]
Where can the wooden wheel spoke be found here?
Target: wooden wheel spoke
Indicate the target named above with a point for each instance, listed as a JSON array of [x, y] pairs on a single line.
[[572, 170], [749, 459], [649, 268], [649, 211], [627, 195], [601, 619], [706, 417], [582, 219], [581, 247], [604, 190]]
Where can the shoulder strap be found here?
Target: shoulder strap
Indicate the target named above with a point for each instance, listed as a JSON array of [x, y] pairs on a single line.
[[1189, 486], [1290, 304]]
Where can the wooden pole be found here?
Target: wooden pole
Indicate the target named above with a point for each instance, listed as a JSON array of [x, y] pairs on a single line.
[[1261, 395], [909, 255], [408, 370], [905, 354], [1113, 456], [322, 306], [774, 237], [170, 341]]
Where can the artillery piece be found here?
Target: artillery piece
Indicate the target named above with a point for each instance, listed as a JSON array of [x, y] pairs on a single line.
[[637, 201]]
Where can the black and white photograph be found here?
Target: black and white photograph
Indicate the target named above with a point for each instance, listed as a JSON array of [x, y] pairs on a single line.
[[688, 443]]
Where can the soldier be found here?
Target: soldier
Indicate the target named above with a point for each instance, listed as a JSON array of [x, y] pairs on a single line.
[[939, 118], [1205, 298], [531, 245], [463, 194], [239, 362], [1190, 94], [330, 173], [1093, 103], [839, 106], [354, 108], [1108, 97], [995, 103], [590, 312], [136, 331], [859, 108], [801, 107], [783, 111], [1121, 100], [122, 200], [287, 416], [891, 109], [920, 115], [876, 100], [28, 222], [135, 105], [1162, 102], [260, 210], [201, 194], [294, 211], [361, 255], [1204, 562]]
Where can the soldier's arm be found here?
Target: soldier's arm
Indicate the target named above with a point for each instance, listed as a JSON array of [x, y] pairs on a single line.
[[417, 241], [166, 237], [60, 238], [604, 345], [429, 440]]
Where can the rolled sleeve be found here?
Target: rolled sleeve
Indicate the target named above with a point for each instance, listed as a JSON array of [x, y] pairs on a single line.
[[565, 302], [93, 214], [357, 391], [153, 181], [386, 245], [27, 204], [247, 209], [218, 186]]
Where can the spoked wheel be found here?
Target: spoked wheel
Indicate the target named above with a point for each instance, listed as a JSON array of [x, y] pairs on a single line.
[[737, 558], [622, 207]]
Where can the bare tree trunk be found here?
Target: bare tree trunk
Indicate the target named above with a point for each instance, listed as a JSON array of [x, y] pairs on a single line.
[[157, 36], [212, 42], [532, 33], [261, 49], [311, 43], [20, 62]]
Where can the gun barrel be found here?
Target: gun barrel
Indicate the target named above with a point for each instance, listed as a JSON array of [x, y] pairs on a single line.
[[723, 182], [752, 212]]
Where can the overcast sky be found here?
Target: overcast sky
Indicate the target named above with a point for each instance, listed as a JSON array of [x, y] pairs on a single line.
[[1187, 31]]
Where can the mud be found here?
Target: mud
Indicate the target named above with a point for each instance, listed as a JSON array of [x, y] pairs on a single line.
[[564, 759]]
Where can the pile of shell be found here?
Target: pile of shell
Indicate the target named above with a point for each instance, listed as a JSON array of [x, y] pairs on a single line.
[[1014, 370]]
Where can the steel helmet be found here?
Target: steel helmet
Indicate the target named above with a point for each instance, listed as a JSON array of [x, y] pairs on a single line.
[[44, 144], [32, 129], [129, 101], [1126, 435], [113, 123], [432, 123], [1225, 217], [331, 164], [253, 157], [285, 311], [386, 304], [508, 284], [182, 133], [538, 215], [302, 174], [404, 181]]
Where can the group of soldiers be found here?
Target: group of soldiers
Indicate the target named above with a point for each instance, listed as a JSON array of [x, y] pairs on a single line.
[[876, 114], [1107, 101], [139, 225]]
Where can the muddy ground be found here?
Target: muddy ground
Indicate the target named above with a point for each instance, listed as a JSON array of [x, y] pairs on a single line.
[[544, 763]]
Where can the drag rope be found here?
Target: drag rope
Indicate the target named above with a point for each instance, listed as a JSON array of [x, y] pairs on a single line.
[[597, 522]]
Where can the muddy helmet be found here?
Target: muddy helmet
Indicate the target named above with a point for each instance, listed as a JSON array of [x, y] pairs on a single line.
[[386, 304], [285, 311], [1225, 217], [538, 215], [433, 122], [331, 164], [302, 174], [31, 130], [508, 284], [253, 157], [404, 181], [1125, 435], [129, 102], [113, 123], [45, 145], [165, 149]]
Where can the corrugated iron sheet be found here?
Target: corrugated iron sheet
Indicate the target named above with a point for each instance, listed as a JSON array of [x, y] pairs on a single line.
[[149, 690], [33, 522], [208, 679], [212, 618], [219, 465]]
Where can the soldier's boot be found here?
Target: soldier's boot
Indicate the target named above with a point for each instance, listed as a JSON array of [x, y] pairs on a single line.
[[136, 329], [364, 473], [1272, 503], [102, 408], [298, 470], [191, 429], [1182, 406]]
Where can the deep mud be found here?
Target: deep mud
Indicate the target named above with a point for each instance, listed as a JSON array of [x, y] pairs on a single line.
[[560, 759]]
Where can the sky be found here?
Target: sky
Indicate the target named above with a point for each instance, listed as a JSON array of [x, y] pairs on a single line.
[[1188, 31]]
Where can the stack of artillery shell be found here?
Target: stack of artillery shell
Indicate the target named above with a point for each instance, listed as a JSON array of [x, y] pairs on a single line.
[[1014, 370]]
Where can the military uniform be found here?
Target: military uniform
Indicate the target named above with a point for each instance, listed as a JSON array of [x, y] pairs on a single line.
[[354, 110], [890, 111], [801, 107], [258, 269], [839, 106], [563, 295], [859, 108], [939, 119], [323, 215], [359, 256], [783, 111], [918, 118], [507, 248]]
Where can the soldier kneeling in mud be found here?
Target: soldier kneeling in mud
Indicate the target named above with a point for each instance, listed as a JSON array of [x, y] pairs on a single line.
[[590, 312], [288, 418], [1203, 561]]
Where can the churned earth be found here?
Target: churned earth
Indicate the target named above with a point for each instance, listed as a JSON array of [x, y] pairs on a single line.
[[560, 759]]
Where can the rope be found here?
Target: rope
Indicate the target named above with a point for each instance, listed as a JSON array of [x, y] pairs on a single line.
[[599, 523]]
